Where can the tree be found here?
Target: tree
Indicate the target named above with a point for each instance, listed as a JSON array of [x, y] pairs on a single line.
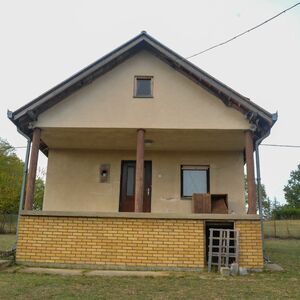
[[38, 194], [292, 189], [267, 207], [11, 169], [265, 200], [11, 173]]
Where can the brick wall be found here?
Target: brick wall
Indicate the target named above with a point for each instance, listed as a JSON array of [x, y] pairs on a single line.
[[126, 242], [111, 241], [250, 244]]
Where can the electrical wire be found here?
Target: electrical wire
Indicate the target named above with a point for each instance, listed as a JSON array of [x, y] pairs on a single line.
[[247, 31], [268, 145], [282, 146]]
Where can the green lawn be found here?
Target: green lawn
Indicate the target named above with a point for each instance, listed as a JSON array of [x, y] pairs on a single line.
[[178, 286]]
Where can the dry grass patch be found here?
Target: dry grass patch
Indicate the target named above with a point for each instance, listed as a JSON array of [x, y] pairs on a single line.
[[263, 285]]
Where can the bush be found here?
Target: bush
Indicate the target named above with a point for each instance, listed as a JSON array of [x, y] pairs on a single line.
[[286, 213]]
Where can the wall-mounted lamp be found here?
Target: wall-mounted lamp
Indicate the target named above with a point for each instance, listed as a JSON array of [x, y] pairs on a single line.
[[104, 173], [148, 143]]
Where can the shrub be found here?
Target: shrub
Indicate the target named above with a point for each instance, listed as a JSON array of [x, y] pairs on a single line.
[[286, 213]]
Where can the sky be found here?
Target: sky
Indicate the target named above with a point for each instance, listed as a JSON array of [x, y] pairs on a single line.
[[45, 42]]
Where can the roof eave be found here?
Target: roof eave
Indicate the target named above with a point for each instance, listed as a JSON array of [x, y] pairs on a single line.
[[30, 111]]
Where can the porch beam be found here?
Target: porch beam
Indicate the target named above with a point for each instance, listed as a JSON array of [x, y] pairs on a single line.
[[139, 171], [36, 138], [250, 172]]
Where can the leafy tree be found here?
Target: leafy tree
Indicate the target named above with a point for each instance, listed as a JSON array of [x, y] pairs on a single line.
[[265, 200], [275, 203], [267, 207], [38, 194], [11, 173], [11, 169], [292, 189]]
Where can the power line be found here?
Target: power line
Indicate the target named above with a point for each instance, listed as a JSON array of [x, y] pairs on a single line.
[[247, 31], [280, 145], [268, 145]]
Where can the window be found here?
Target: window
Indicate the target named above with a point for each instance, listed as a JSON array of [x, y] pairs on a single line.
[[194, 179], [130, 181], [143, 87]]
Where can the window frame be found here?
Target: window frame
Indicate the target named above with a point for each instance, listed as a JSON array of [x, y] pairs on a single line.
[[143, 77], [196, 168]]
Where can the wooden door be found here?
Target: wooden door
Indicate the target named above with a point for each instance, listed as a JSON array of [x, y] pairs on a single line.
[[128, 186]]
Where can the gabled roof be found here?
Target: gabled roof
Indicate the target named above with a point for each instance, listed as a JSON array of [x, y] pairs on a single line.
[[22, 117]]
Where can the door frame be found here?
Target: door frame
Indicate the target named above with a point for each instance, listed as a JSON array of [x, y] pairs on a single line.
[[123, 162]]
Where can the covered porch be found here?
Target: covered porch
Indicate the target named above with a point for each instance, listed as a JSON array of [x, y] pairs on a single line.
[[142, 170], [83, 223]]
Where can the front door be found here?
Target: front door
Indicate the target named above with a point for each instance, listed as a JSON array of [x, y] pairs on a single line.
[[128, 186]]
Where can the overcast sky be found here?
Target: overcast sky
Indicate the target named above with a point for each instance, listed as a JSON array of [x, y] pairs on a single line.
[[44, 42]]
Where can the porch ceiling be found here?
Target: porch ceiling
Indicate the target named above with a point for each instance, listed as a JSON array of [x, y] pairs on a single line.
[[125, 139]]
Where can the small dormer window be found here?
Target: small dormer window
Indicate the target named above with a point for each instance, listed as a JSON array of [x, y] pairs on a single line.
[[143, 86]]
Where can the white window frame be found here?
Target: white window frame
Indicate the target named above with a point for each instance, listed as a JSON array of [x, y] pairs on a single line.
[[195, 168]]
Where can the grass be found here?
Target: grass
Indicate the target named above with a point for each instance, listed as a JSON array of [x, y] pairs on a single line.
[[286, 253], [263, 285]]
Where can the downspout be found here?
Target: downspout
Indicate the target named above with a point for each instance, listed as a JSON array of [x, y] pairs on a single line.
[[258, 182], [25, 171]]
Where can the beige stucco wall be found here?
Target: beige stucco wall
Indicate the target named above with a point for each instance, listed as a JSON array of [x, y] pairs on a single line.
[[73, 179], [178, 103], [108, 102]]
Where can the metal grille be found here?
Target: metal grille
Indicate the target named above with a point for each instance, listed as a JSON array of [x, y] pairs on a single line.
[[223, 247]]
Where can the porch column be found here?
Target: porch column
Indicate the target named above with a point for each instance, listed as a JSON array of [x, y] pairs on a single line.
[[32, 168], [139, 171], [250, 172]]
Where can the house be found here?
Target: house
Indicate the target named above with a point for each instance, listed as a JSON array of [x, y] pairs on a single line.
[[146, 152]]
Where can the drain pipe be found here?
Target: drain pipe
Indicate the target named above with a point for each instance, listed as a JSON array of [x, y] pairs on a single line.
[[258, 179], [258, 182], [25, 171]]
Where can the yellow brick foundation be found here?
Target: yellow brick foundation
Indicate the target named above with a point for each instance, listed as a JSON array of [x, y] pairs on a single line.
[[111, 241], [251, 256], [125, 242]]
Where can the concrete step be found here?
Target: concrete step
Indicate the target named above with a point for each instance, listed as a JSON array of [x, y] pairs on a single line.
[[52, 271], [73, 272], [115, 273], [273, 268], [4, 263]]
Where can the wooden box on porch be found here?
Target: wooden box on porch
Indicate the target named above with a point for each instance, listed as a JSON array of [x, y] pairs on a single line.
[[210, 203]]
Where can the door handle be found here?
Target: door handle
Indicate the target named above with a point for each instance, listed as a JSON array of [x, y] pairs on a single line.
[[148, 191]]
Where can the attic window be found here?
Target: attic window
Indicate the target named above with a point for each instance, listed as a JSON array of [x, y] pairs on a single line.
[[143, 86]]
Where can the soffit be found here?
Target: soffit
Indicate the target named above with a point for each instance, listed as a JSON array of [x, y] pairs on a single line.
[[125, 139]]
